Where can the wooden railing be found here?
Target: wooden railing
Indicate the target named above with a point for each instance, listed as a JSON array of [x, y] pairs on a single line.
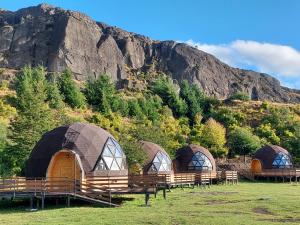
[[191, 178], [91, 186], [36, 185], [280, 172]]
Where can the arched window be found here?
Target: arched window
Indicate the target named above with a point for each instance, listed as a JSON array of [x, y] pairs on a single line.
[[282, 161], [200, 162], [112, 158], [161, 163]]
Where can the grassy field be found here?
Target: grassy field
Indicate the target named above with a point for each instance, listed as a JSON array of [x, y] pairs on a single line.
[[245, 203]]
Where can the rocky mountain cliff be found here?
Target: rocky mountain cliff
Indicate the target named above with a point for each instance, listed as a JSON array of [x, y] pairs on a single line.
[[59, 39]]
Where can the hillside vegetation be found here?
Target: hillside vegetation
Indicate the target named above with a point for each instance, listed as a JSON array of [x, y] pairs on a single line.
[[164, 112]]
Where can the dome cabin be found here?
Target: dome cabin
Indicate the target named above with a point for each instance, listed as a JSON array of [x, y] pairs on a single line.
[[194, 158], [157, 160], [271, 157], [76, 151]]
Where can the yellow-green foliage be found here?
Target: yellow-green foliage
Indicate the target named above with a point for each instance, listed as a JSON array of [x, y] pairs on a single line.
[[268, 134], [6, 111], [214, 137]]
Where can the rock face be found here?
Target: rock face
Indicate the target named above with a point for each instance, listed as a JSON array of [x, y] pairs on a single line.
[[60, 39]]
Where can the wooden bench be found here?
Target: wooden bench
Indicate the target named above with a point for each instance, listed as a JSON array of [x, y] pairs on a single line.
[[227, 177]]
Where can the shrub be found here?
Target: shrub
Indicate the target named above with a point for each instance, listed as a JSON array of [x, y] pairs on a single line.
[[240, 96]]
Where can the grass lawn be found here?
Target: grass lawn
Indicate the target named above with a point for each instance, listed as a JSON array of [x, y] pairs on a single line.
[[245, 203]]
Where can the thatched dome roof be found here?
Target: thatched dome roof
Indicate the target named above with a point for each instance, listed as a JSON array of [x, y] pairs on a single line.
[[267, 155], [86, 140], [185, 155]]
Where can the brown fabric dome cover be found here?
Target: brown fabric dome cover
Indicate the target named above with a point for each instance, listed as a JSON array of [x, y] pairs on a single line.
[[151, 149], [184, 156], [84, 139], [267, 154]]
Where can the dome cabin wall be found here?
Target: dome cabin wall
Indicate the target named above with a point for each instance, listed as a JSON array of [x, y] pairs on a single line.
[[194, 158], [157, 159], [77, 152], [271, 157]]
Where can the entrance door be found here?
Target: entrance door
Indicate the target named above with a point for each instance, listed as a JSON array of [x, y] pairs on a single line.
[[63, 171], [256, 166]]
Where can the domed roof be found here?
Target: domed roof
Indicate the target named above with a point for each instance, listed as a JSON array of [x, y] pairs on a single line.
[[185, 154], [268, 153], [151, 149], [84, 139]]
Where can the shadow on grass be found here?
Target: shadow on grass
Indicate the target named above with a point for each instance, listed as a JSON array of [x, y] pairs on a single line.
[[21, 205]]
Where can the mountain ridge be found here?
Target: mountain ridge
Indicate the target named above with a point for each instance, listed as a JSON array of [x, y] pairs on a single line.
[[60, 39]]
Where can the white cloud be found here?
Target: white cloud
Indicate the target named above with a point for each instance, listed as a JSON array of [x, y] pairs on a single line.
[[279, 60]]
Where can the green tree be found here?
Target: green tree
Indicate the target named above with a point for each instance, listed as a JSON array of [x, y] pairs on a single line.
[[197, 129], [70, 91], [101, 93], [164, 88], [33, 119], [242, 141], [266, 132], [194, 98], [150, 106], [135, 109], [54, 97], [228, 117], [214, 137]]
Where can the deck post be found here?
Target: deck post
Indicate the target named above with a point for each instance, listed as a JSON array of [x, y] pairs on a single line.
[[164, 193], [14, 188], [31, 202], [147, 197], [68, 201], [43, 201]]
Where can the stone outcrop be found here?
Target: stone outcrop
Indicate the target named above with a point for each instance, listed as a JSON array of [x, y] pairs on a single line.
[[60, 39]]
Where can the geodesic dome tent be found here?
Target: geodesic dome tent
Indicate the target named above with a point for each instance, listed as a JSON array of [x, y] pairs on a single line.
[[92, 150], [271, 157], [194, 158], [157, 161]]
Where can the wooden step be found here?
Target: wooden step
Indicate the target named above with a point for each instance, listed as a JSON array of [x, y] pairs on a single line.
[[93, 200]]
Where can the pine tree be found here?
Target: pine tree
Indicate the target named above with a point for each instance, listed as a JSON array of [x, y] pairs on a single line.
[[70, 91], [34, 117]]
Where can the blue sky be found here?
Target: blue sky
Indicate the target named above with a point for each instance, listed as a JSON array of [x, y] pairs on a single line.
[[263, 35]]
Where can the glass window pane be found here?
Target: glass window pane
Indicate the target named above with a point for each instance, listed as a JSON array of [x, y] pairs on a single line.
[[119, 161], [114, 166], [200, 162], [108, 161]]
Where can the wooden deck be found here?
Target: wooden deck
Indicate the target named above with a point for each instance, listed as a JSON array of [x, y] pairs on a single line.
[[100, 189], [93, 189], [279, 173], [201, 178]]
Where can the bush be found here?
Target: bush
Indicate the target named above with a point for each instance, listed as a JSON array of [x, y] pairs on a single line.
[[240, 96], [228, 117]]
